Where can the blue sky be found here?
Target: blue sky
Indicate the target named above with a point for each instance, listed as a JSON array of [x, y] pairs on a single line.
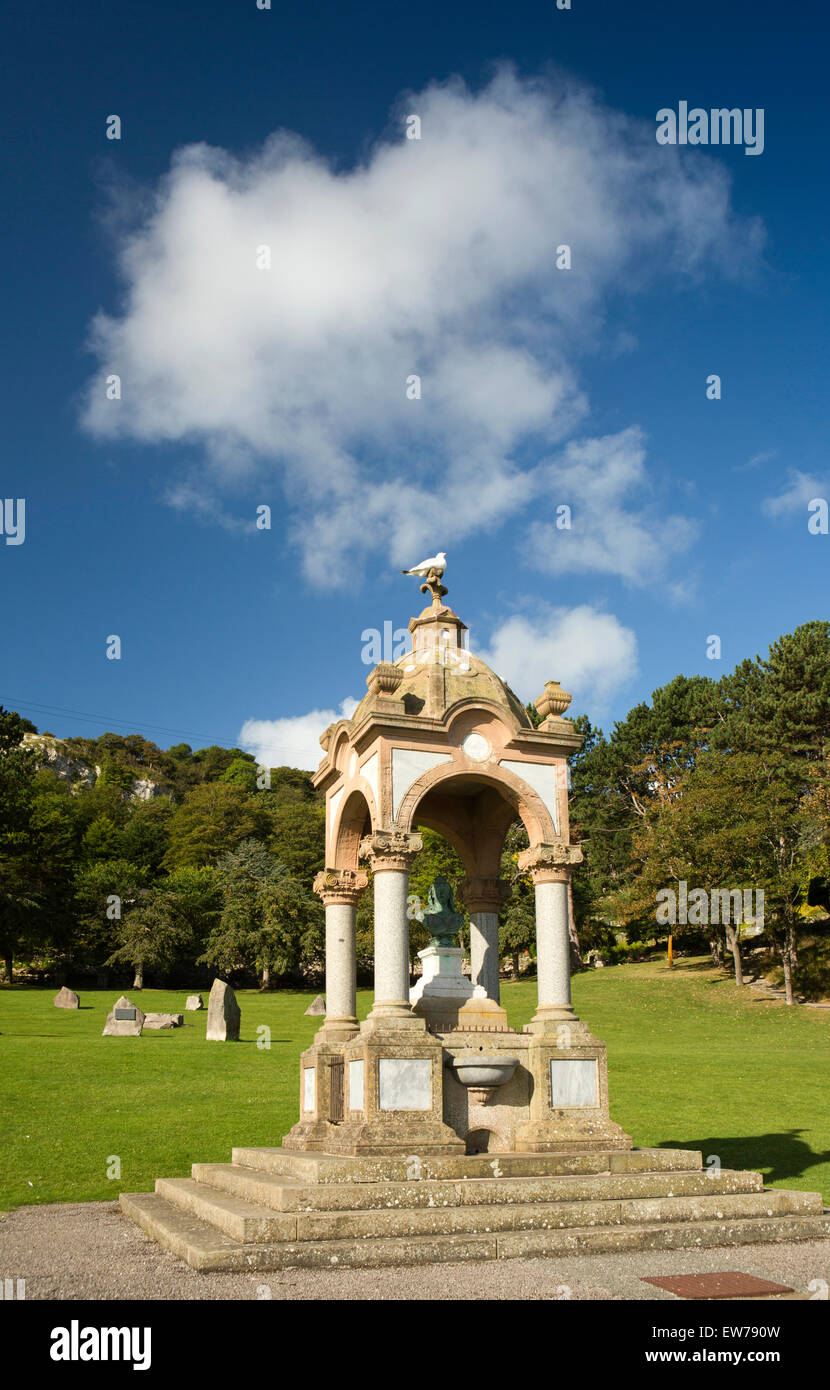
[[285, 387]]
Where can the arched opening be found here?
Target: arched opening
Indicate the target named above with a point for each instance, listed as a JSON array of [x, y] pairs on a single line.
[[473, 811], [348, 825]]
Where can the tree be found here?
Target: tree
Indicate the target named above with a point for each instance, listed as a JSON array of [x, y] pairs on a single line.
[[265, 914], [145, 837], [105, 890], [152, 934], [213, 818], [735, 821], [19, 923], [296, 833]]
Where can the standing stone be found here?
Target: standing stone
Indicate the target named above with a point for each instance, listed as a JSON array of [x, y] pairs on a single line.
[[317, 1006], [128, 1026], [67, 999], [224, 1014], [194, 1001]]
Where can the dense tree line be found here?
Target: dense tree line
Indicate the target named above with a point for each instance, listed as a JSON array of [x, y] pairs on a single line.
[[723, 785], [168, 862], [215, 870]]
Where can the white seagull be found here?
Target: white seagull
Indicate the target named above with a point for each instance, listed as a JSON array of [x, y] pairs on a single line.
[[437, 563]]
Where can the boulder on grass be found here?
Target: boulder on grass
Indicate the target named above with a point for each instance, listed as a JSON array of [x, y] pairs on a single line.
[[67, 999], [124, 1020], [224, 1014], [163, 1020], [194, 1001], [317, 1006]]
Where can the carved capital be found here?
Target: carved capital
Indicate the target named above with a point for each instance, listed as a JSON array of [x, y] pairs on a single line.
[[390, 849], [550, 863], [484, 894], [340, 885]]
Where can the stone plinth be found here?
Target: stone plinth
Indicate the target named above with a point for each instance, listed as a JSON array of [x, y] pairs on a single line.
[[393, 1092], [443, 988], [568, 1104], [482, 1013]]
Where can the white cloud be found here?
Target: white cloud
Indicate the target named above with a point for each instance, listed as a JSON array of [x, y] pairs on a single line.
[[589, 652], [801, 488], [755, 462], [292, 742], [613, 530], [434, 257]]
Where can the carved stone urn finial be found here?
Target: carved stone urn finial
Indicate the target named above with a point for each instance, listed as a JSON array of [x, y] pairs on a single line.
[[553, 701]]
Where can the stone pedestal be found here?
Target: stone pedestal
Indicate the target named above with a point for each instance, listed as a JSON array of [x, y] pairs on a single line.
[[393, 1095], [568, 1106], [314, 1128], [443, 987]]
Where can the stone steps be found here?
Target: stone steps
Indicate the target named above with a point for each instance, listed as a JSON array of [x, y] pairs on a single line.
[[271, 1209], [330, 1168], [205, 1247], [287, 1194], [251, 1223]]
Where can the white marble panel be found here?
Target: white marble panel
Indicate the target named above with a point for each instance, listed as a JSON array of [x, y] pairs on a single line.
[[407, 765], [356, 1084], [308, 1088], [573, 1082], [543, 779], [369, 770], [333, 807], [404, 1083]]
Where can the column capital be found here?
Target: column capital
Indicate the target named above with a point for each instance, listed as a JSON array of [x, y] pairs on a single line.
[[340, 885], [484, 894], [390, 849], [550, 863]]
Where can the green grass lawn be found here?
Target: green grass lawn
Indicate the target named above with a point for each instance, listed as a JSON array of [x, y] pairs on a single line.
[[693, 1063]]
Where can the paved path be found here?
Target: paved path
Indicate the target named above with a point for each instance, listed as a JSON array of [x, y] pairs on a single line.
[[88, 1250]]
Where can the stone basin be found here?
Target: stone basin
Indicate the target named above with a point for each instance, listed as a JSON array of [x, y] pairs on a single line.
[[484, 1071]]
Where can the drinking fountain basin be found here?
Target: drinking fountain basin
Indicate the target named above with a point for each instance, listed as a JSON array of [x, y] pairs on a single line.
[[482, 1073]]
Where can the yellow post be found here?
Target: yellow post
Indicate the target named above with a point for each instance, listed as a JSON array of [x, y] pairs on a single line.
[[671, 953]]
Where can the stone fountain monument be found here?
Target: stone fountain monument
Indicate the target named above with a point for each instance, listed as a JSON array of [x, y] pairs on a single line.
[[434, 1131]]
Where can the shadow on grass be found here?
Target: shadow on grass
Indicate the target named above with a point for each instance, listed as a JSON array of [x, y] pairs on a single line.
[[778, 1156]]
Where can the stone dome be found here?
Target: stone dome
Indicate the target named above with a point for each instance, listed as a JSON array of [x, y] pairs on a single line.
[[437, 674]]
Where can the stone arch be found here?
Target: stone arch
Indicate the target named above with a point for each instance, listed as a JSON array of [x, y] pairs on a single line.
[[350, 825], [478, 845]]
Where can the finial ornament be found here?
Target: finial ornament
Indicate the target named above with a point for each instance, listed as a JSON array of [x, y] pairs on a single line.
[[553, 701], [431, 571]]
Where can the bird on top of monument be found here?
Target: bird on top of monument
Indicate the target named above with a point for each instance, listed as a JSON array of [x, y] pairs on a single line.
[[441, 918], [438, 563]]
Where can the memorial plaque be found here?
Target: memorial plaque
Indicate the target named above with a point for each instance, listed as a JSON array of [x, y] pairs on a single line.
[[308, 1088], [573, 1083], [124, 1020], [356, 1085], [405, 1083]]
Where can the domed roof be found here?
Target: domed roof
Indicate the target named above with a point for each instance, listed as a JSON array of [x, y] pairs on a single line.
[[437, 674]]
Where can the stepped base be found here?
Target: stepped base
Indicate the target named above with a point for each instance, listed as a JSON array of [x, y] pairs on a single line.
[[272, 1209]]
